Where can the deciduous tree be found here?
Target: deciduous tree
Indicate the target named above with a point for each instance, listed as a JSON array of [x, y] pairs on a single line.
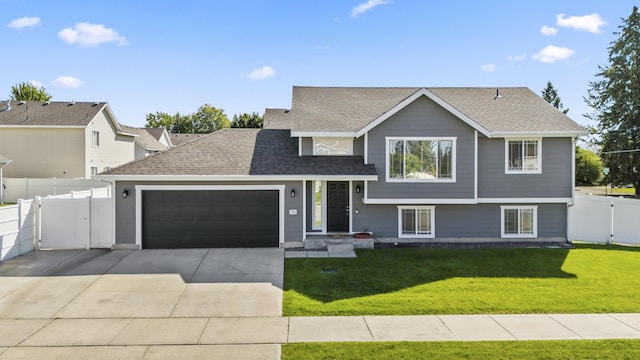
[[253, 120], [28, 92]]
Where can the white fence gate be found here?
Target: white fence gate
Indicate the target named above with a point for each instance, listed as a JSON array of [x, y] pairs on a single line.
[[79, 220], [604, 220], [17, 229]]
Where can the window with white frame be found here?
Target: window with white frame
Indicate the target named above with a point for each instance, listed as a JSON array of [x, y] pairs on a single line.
[[94, 171], [333, 146], [96, 138], [519, 221], [523, 156], [421, 159], [416, 221]]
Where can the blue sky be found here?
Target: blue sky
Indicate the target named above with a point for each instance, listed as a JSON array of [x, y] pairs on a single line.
[[244, 56]]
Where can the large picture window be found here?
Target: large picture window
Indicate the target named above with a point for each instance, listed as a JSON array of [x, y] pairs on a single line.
[[416, 222], [523, 156], [421, 159], [333, 146], [519, 221]]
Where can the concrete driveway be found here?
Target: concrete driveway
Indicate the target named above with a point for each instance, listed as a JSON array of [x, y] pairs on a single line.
[[136, 299]]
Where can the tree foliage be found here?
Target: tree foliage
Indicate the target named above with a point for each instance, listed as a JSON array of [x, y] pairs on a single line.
[[253, 120], [28, 92], [588, 167], [550, 95], [615, 99], [206, 120]]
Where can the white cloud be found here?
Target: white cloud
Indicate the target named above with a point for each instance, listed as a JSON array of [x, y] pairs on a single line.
[[261, 73], [87, 34], [68, 82], [488, 67], [24, 22], [551, 54], [591, 23], [364, 7], [321, 47], [517, 57], [548, 30], [35, 83]]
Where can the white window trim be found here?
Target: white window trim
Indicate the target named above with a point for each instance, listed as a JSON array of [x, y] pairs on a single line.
[[408, 138], [521, 207], [506, 156], [433, 222], [324, 139], [323, 206]]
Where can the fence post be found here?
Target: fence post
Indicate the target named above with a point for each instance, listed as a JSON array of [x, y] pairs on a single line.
[[20, 220], [611, 239], [37, 219]]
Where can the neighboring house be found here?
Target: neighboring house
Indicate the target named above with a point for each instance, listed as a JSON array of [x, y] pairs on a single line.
[[61, 139], [3, 162], [429, 164], [149, 140]]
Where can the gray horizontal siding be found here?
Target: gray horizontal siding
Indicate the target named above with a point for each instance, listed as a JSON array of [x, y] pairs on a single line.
[[423, 118], [555, 180], [459, 221], [126, 208]]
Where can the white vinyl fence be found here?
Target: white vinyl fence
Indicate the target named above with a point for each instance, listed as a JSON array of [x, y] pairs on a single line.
[[605, 220], [29, 188], [78, 220], [17, 229]]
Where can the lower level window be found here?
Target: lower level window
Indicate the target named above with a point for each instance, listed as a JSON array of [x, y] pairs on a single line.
[[519, 221], [416, 221]]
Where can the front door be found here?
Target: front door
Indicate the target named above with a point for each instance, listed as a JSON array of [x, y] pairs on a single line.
[[337, 206]]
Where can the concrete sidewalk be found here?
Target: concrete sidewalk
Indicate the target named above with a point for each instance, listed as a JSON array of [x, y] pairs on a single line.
[[261, 337]]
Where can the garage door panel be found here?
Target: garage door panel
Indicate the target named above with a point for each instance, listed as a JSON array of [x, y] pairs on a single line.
[[213, 218]]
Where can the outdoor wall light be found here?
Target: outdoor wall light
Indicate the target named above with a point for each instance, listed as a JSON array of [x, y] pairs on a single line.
[[358, 189], [125, 193], [293, 192]]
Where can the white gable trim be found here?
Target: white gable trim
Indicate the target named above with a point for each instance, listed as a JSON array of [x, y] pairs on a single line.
[[412, 98], [539, 134], [350, 134], [108, 177]]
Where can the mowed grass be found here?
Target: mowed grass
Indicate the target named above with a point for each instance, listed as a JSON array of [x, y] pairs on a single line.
[[586, 279], [581, 349]]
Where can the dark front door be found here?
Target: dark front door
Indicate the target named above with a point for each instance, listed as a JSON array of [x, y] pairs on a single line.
[[337, 206]]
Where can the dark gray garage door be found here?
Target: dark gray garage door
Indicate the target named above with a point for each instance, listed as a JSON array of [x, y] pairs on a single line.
[[202, 219]]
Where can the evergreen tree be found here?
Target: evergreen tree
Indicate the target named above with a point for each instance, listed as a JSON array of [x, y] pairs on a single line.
[[550, 95], [615, 99]]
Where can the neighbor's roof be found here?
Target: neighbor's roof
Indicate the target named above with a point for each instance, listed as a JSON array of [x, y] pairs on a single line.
[[351, 109], [54, 113], [243, 152], [145, 137], [155, 132]]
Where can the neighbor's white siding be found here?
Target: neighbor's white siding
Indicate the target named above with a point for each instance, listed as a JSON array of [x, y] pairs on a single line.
[[114, 150]]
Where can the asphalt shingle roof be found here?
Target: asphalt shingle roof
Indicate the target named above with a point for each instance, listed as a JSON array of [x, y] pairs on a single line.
[[277, 119], [55, 113], [145, 137], [243, 152], [349, 109], [178, 139]]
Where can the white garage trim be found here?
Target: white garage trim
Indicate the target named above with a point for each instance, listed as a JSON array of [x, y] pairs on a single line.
[[141, 188]]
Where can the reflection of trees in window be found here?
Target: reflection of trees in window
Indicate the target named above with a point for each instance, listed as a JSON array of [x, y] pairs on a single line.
[[420, 159]]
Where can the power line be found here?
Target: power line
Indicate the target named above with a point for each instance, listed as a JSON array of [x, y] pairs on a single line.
[[619, 151]]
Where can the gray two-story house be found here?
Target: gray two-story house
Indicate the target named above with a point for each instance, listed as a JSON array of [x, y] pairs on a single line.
[[424, 164]]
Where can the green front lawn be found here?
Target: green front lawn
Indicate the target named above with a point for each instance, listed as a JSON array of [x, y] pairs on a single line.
[[581, 349], [587, 279]]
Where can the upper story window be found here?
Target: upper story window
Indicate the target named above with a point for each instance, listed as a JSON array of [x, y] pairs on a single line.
[[96, 138], [523, 156], [421, 159], [333, 146]]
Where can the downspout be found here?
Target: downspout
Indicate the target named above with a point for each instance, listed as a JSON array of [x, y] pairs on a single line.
[[573, 183]]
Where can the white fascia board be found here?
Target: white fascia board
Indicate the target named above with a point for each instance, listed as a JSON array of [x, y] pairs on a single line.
[[345, 134], [433, 97], [236, 177], [559, 200], [538, 134], [419, 201]]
